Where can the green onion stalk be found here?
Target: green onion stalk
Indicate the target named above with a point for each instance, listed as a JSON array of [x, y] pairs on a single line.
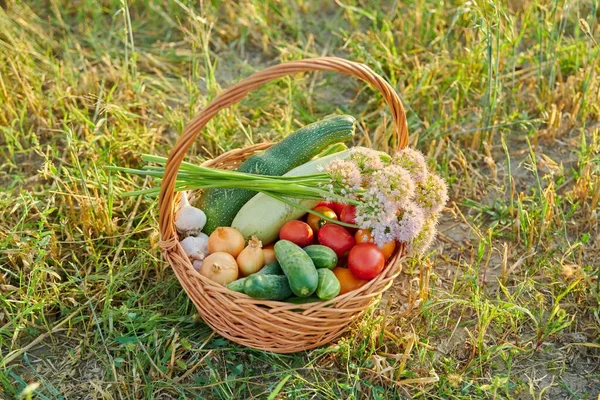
[[281, 188]]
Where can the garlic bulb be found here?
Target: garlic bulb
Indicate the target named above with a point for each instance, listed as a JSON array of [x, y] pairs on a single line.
[[189, 219], [196, 247], [197, 264]]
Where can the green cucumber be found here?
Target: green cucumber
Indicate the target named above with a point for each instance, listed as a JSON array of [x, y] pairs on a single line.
[[263, 216], [222, 205], [329, 286], [272, 268], [267, 287], [322, 256], [237, 285], [298, 267]]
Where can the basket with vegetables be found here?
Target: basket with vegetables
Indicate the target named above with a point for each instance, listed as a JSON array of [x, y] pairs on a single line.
[[281, 246]]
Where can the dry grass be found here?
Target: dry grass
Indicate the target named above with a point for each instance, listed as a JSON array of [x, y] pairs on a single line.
[[503, 98]]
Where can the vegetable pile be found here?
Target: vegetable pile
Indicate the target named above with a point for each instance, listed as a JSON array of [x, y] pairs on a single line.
[[307, 219]]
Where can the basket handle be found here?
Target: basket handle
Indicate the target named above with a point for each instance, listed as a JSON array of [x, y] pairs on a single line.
[[237, 92]]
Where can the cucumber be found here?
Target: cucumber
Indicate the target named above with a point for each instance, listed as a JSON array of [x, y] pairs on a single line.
[[322, 256], [237, 285], [298, 267], [267, 287], [263, 216], [222, 205], [272, 268], [329, 286]]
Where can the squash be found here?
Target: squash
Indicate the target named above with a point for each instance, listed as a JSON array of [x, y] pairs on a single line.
[[263, 216], [221, 205]]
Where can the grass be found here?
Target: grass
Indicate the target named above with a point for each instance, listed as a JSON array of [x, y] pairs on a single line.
[[503, 98]]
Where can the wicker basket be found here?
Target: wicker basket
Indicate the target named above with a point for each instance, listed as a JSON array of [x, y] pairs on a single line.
[[270, 325]]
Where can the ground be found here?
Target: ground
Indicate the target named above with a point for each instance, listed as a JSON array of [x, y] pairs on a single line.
[[503, 98]]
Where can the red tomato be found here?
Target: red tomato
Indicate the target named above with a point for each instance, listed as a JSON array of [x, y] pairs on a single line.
[[365, 261], [336, 238], [348, 214], [365, 236], [315, 222], [297, 232], [336, 207]]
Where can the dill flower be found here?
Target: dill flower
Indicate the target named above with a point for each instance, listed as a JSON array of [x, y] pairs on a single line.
[[431, 194], [422, 242], [366, 159], [393, 183], [413, 161], [344, 176]]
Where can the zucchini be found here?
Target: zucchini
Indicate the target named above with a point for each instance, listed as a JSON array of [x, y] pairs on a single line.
[[267, 287], [322, 256], [222, 205], [263, 216], [298, 267], [329, 286]]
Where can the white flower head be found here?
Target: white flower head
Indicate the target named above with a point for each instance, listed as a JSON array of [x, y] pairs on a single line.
[[376, 213], [409, 222], [413, 161], [422, 242], [366, 159], [393, 183], [431, 194], [344, 177]]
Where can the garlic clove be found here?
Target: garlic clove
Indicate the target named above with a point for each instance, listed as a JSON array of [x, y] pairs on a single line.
[[189, 219], [197, 264], [195, 247]]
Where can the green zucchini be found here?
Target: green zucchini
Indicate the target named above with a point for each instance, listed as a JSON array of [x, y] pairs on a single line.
[[322, 256], [267, 287], [298, 267], [328, 286], [263, 216], [222, 205]]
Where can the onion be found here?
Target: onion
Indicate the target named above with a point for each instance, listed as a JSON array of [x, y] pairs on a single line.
[[189, 219], [220, 268], [269, 253], [226, 239], [196, 247], [251, 259]]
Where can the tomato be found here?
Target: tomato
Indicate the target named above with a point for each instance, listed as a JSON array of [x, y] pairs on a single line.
[[348, 214], [297, 232], [348, 282], [365, 261], [336, 207], [336, 238], [315, 222], [365, 236]]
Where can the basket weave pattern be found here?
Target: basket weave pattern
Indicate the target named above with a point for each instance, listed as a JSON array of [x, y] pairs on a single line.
[[270, 325]]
